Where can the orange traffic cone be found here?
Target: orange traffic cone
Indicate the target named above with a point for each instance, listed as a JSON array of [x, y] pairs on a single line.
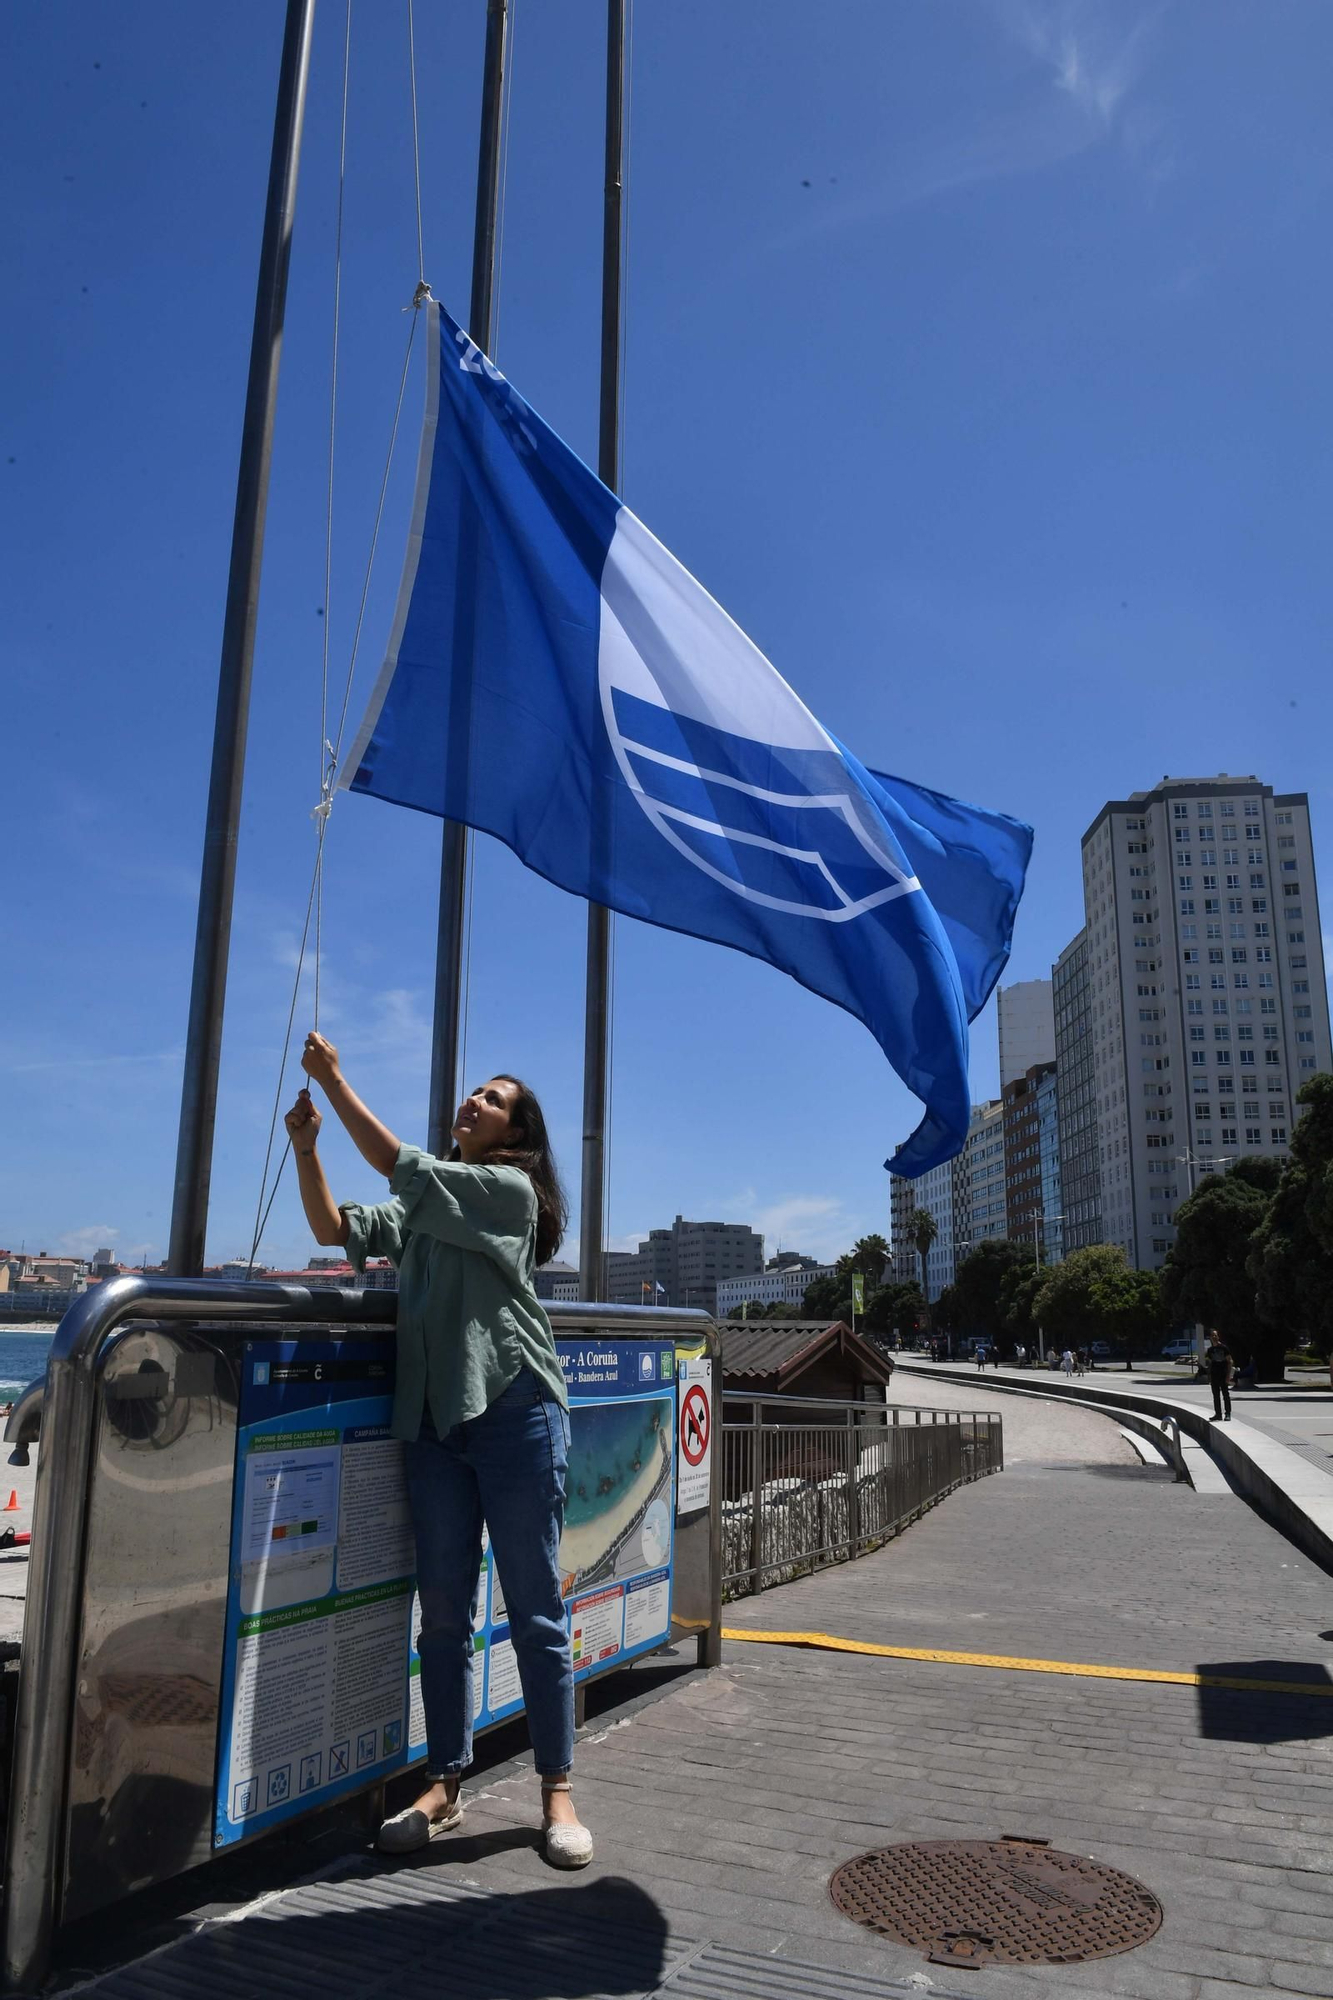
[[12, 1504]]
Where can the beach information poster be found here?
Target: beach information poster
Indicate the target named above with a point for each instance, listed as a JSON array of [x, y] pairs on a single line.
[[314, 1690], [321, 1680]]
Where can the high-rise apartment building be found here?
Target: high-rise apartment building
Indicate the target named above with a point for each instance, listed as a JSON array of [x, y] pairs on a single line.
[[1076, 1096], [682, 1266], [966, 1198], [983, 1162], [1025, 1013], [1205, 991], [902, 1252], [1023, 1101]]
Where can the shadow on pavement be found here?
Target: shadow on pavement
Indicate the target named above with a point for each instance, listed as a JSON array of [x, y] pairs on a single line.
[[1233, 1715], [355, 1936]]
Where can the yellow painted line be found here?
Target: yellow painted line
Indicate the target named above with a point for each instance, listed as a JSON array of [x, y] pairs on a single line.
[[828, 1642]]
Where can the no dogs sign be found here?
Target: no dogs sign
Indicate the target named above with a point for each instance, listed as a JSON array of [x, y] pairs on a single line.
[[694, 1428]]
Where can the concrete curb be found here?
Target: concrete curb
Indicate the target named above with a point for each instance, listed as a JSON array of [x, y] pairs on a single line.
[[1287, 1489]]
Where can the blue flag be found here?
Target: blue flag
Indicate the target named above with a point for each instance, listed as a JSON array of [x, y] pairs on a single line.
[[555, 677]]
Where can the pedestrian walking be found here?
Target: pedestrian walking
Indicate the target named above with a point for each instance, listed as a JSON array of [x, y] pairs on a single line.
[[995, 1357], [1067, 1361], [1221, 1372], [981, 1357], [481, 1406], [1020, 1355]]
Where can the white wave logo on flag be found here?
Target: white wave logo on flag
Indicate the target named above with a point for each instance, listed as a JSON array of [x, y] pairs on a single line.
[[673, 666]]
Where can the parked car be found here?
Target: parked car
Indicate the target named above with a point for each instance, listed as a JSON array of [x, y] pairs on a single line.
[[1178, 1350]]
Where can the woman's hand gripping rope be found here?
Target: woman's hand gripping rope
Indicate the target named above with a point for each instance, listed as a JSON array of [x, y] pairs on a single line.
[[303, 1122]]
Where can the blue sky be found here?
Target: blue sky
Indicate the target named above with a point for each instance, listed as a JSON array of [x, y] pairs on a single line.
[[976, 361]]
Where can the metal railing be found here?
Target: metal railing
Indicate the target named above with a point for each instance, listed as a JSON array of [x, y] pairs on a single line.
[[808, 1481]]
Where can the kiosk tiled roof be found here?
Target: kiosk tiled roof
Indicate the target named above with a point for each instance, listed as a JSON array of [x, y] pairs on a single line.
[[768, 1349]]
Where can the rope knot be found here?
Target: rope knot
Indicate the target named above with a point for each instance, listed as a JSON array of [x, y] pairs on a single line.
[[422, 293]]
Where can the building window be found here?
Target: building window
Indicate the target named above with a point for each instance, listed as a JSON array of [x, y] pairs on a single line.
[[1263, 953], [1227, 809], [1187, 906], [1181, 812], [1254, 1135]]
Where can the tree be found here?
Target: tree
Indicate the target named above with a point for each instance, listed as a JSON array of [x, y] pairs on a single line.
[[1019, 1287], [976, 1304], [1128, 1310], [1291, 1251], [945, 1315], [900, 1306], [828, 1299], [868, 1255], [1206, 1276], [922, 1231], [1064, 1307]]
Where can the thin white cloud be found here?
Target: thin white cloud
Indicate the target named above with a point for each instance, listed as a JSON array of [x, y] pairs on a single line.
[[164, 1057], [93, 1236], [1086, 64]]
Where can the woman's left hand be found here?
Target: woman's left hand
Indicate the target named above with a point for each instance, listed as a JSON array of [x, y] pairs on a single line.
[[319, 1060]]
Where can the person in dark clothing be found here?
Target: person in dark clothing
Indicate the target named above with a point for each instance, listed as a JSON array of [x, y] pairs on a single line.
[[1217, 1360]]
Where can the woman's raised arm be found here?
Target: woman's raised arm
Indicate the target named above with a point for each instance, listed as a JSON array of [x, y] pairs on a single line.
[[373, 1140]]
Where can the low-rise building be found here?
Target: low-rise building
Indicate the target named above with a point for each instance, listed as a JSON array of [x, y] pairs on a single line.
[[785, 1287]]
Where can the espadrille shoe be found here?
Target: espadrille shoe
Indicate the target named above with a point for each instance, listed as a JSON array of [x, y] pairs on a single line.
[[566, 1846], [413, 1828]]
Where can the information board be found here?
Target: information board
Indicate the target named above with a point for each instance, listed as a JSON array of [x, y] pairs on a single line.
[[314, 1690], [321, 1680]]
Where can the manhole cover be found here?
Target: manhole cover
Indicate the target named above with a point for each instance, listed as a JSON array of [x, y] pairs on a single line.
[[1006, 1902]]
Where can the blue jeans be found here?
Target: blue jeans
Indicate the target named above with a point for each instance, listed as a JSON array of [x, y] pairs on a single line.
[[507, 1468]]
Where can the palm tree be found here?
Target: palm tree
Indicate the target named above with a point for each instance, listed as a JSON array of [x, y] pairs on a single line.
[[922, 1231], [869, 1255]]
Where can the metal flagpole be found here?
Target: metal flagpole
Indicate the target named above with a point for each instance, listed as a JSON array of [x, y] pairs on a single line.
[[454, 848], [217, 880], [592, 1196]]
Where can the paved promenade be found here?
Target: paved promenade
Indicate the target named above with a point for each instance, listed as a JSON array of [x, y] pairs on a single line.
[[722, 1802]]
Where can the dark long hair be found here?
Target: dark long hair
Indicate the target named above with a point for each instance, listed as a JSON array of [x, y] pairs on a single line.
[[530, 1149]]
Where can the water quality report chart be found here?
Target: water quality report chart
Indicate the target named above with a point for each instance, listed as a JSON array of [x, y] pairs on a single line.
[[321, 1681]]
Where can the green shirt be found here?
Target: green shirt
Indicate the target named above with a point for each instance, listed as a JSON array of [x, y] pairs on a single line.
[[464, 1240]]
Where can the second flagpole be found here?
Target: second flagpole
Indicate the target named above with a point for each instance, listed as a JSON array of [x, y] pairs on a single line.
[[596, 1037], [454, 846]]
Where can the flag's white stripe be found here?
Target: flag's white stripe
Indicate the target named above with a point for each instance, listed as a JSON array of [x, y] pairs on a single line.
[[661, 816], [837, 802], [351, 763], [830, 801], [663, 624]]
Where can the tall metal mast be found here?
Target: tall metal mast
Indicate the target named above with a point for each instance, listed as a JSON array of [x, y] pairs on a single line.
[[454, 847], [592, 1197], [203, 1041]]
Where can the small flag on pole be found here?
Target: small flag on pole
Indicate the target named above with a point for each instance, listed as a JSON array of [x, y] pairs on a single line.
[[555, 677]]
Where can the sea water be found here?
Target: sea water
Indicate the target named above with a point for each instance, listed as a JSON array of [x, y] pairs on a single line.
[[23, 1352]]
